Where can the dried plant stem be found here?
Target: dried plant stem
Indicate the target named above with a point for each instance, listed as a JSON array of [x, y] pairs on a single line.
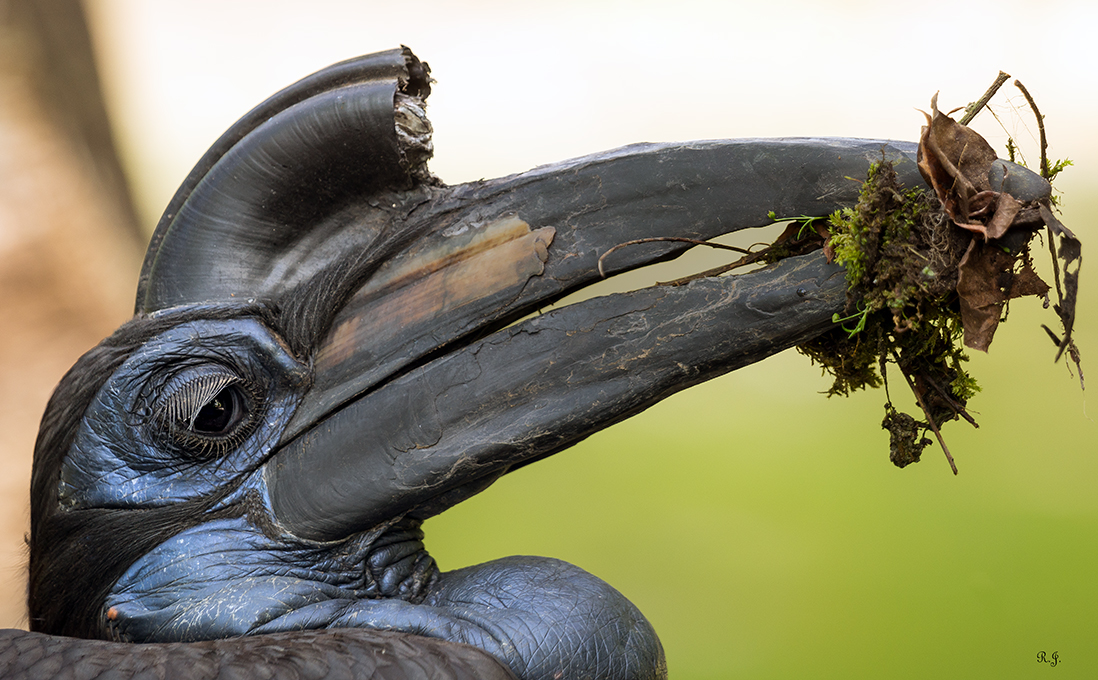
[[657, 239], [929, 418], [1044, 173], [1040, 127], [979, 104], [953, 403], [717, 271]]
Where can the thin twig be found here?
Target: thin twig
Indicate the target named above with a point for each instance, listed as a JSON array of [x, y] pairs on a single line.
[[953, 403], [721, 246], [1048, 216], [979, 104], [882, 363], [1040, 127], [716, 271], [1044, 173], [1047, 206], [926, 411]]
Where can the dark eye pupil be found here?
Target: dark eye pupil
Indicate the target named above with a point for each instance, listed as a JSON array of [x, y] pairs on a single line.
[[220, 414]]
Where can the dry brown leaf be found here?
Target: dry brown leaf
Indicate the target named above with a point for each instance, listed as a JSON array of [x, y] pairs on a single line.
[[824, 231], [1070, 251], [1027, 282], [980, 295], [985, 281], [955, 161], [953, 158], [1006, 209]]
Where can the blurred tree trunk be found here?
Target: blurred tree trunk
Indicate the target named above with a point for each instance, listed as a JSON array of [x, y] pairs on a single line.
[[69, 243]]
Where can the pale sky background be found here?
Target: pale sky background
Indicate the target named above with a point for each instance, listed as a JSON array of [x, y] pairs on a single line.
[[523, 84]]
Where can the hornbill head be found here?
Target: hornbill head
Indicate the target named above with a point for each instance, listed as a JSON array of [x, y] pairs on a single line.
[[331, 346]]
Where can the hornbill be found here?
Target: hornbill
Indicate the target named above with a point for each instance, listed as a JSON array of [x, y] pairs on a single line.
[[330, 346]]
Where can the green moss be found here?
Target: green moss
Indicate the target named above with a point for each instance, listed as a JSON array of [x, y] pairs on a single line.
[[896, 248], [901, 254], [850, 358], [906, 439]]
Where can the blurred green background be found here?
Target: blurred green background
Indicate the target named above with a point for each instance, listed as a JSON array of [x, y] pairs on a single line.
[[758, 524]]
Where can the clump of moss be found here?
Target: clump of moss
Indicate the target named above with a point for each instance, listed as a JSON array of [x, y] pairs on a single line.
[[906, 437], [850, 358], [901, 255], [930, 273], [899, 252]]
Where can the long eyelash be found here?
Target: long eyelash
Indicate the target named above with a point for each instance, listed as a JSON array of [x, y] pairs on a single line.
[[185, 403], [172, 403]]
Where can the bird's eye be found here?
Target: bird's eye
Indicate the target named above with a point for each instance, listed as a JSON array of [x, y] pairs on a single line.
[[220, 414], [207, 410]]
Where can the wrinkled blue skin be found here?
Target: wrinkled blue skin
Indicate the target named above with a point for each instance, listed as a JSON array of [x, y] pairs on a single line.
[[245, 575]]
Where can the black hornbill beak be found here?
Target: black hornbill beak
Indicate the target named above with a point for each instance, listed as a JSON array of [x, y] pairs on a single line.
[[429, 383]]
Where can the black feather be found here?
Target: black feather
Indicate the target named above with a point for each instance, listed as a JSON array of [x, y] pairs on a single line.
[[348, 654]]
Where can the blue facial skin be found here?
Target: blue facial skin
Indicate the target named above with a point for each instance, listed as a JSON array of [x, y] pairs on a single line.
[[131, 453], [196, 412]]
